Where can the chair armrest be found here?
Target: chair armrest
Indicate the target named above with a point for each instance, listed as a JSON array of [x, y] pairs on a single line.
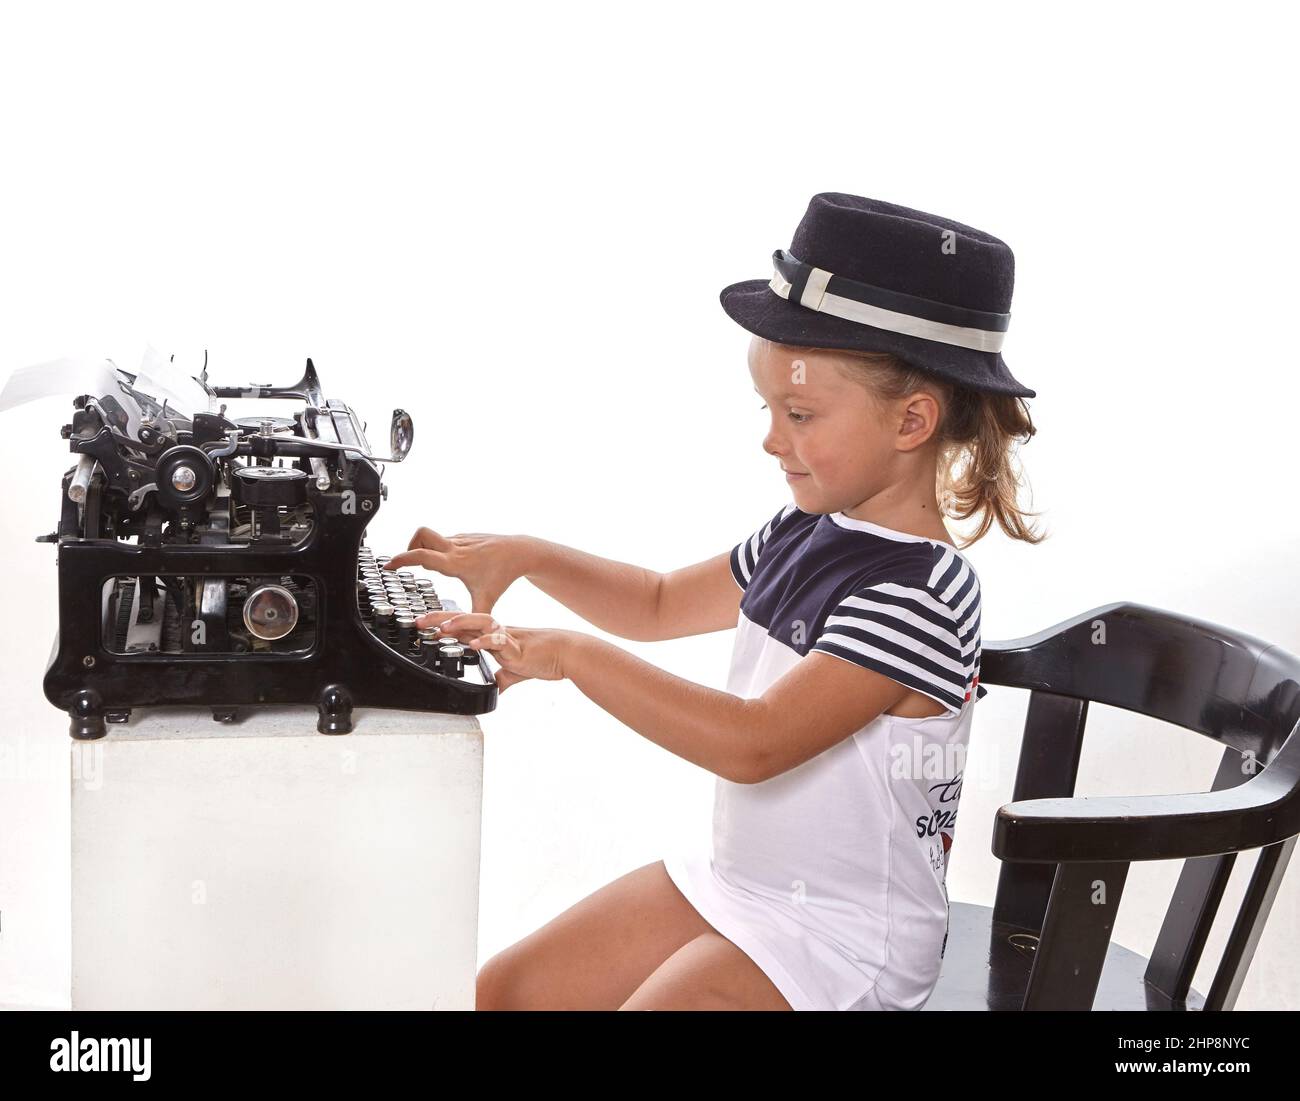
[[1260, 812]]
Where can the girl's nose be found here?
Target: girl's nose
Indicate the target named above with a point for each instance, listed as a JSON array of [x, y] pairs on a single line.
[[772, 443]]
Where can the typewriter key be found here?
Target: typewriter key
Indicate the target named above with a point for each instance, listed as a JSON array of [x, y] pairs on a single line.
[[451, 658]]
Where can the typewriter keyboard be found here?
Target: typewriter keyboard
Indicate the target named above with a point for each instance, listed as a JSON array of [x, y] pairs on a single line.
[[390, 601]]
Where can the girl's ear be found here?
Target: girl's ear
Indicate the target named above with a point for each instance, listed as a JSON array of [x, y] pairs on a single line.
[[920, 419]]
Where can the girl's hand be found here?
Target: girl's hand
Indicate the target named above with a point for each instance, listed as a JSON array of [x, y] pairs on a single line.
[[523, 653], [486, 564]]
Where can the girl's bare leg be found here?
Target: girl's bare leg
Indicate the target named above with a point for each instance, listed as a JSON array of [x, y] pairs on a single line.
[[596, 953], [707, 973]]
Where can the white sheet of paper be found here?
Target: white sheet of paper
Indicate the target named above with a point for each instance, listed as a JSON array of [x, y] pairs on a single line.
[[68, 377]]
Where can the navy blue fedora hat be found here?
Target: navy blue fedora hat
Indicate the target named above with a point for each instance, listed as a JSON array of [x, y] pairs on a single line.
[[865, 275]]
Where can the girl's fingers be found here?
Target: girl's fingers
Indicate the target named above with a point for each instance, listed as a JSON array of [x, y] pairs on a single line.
[[504, 648], [429, 559], [471, 624], [426, 549], [428, 539], [505, 679]]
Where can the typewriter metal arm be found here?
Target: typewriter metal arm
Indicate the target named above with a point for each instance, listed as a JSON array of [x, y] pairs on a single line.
[[344, 421], [307, 389]]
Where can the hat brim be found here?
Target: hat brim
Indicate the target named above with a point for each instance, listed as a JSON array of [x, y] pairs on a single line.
[[755, 307]]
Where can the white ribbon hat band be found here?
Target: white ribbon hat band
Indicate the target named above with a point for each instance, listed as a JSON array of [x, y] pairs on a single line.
[[867, 305]]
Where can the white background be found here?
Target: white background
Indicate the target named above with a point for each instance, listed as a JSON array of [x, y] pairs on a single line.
[[514, 221]]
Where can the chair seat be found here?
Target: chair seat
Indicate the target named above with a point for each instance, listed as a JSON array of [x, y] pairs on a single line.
[[986, 965]]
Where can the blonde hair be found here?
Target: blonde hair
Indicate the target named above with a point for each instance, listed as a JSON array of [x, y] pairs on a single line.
[[978, 433]]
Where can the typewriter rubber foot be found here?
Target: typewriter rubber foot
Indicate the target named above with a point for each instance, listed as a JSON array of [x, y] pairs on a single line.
[[335, 711], [87, 718]]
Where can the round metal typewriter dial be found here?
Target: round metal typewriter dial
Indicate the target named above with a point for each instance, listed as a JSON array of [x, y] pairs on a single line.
[[263, 486], [270, 612], [184, 476], [266, 424]]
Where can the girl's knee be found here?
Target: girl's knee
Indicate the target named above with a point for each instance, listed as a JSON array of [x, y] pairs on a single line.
[[496, 986]]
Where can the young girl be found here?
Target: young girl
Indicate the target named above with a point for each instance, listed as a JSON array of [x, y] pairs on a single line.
[[838, 742]]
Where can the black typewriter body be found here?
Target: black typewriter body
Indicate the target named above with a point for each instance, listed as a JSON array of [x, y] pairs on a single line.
[[209, 561]]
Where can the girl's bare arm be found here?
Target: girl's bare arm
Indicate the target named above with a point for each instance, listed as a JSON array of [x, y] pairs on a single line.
[[625, 600], [813, 706], [631, 601]]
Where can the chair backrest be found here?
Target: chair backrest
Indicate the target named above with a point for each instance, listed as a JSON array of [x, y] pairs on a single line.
[[1220, 683]]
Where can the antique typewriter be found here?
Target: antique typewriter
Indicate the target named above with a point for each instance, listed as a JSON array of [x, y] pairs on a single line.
[[215, 561]]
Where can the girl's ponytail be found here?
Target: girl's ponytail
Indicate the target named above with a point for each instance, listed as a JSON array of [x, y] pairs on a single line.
[[978, 473]]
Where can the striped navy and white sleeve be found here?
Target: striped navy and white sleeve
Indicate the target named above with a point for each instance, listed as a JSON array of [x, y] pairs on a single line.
[[744, 555], [923, 632]]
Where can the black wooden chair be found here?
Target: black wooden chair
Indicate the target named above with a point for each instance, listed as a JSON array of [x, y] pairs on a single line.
[[1045, 944]]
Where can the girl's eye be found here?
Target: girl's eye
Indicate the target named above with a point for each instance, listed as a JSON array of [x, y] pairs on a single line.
[[798, 418]]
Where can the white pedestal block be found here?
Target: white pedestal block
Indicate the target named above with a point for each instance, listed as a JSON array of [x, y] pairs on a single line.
[[265, 866]]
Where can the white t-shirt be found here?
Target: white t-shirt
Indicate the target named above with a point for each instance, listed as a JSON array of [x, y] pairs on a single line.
[[831, 876]]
